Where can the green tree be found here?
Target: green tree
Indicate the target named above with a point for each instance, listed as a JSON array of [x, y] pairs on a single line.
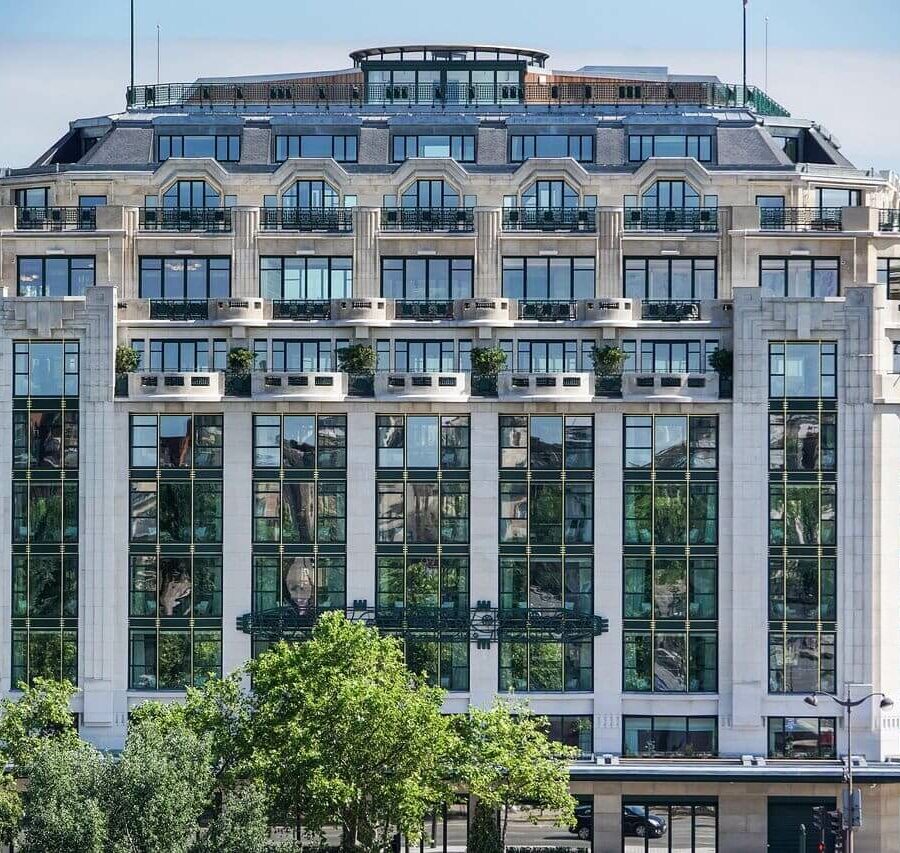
[[508, 760], [242, 825], [161, 784], [64, 804], [346, 735], [11, 809], [40, 713]]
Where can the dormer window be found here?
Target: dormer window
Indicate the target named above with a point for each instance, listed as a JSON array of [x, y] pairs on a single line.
[[225, 149], [311, 195], [550, 195], [430, 194], [669, 195], [579, 147], [460, 148], [644, 146], [191, 194]]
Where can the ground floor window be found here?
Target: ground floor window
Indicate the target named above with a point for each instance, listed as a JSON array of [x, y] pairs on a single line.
[[674, 825], [538, 830]]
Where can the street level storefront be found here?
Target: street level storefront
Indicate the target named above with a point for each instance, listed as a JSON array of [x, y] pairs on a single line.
[[726, 806]]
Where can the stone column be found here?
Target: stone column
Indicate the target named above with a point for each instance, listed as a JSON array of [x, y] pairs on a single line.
[[366, 257], [360, 506], [488, 225], [610, 223], [245, 263]]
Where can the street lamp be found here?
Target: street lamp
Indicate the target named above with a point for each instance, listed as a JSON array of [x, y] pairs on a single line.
[[848, 704]]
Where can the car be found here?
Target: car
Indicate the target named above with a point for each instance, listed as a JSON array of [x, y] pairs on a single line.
[[636, 823], [584, 822]]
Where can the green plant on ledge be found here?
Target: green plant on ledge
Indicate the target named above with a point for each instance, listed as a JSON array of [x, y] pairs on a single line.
[[488, 361], [127, 359], [357, 360], [240, 361], [722, 361], [608, 361]]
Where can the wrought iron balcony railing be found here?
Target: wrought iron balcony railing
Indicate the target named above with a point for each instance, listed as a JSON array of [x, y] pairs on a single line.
[[56, 218], [700, 219], [179, 309], [185, 219], [574, 219], [452, 219], [357, 93], [669, 312], [331, 219], [423, 309], [301, 309], [546, 310], [888, 220], [800, 218]]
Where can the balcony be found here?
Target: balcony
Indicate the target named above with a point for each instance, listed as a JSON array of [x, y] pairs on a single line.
[[562, 219], [179, 309], [888, 220], [185, 220], [301, 309], [56, 218], [483, 312], [422, 386], [332, 220], [237, 311], [423, 309], [696, 220], [665, 311], [800, 219], [176, 386], [547, 311], [572, 387], [606, 311], [359, 311], [671, 386], [301, 386], [454, 220]]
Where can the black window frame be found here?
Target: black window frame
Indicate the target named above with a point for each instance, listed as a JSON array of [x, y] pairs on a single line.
[[303, 260], [814, 262], [824, 753], [688, 718], [646, 259], [455, 263], [464, 143], [576, 142], [529, 261], [44, 260], [164, 260], [229, 143], [690, 139], [295, 141]]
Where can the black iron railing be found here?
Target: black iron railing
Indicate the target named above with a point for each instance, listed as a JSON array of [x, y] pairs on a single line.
[[701, 219], [357, 93], [333, 219], [546, 310], [56, 218], [888, 220], [301, 309], [179, 309], [453, 219], [669, 312], [423, 309], [800, 218], [550, 219], [185, 219]]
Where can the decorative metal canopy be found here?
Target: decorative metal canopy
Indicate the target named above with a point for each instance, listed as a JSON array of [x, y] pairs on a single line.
[[481, 624]]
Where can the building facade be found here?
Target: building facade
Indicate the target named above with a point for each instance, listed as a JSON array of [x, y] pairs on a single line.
[[664, 558]]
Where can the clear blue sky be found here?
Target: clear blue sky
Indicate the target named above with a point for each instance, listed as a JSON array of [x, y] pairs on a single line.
[[830, 60]]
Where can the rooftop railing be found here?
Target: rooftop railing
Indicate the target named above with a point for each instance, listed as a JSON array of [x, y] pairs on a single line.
[[702, 219], [427, 219], [56, 218], [331, 219], [570, 219], [800, 218], [185, 219], [595, 93]]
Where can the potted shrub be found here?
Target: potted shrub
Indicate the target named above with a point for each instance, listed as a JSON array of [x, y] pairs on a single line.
[[237, 376], [608, 364], [722, 361], [487, 362], [127, 361], [359, 362]]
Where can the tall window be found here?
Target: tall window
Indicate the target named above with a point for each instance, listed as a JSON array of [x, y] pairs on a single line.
[[340, 147], [49, 276], [802, 277], [175, 555], [546, 510], [802, 517], [429, 194], [44, 503], [550, 195], [671, 194], [555, 279], [33, 197], [191, 194], [185, 278], [460, 148], [837, 197], [422, 538], [670, 279], [644, 146], [670, 608], [889, 274], [224, 148], [305, 278], [675, 356], [426, 278], [311, 195], [580, 147]]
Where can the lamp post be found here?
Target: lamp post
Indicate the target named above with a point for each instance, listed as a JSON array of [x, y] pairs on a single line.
[[848, 704]]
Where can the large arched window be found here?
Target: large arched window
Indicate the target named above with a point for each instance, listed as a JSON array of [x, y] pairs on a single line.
[[311, 195], [550, 195], [191, 194], [429, 194], [668, 195]]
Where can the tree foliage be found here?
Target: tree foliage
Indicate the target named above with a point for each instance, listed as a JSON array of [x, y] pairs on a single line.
[[11, 809], [347, 735], [508, 760], [40, 714]]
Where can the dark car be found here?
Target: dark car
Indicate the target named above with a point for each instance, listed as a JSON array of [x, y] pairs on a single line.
[[636, 823], [584, 822]]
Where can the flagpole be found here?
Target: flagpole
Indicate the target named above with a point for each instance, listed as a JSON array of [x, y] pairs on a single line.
[[132, 45], [745, 53]]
